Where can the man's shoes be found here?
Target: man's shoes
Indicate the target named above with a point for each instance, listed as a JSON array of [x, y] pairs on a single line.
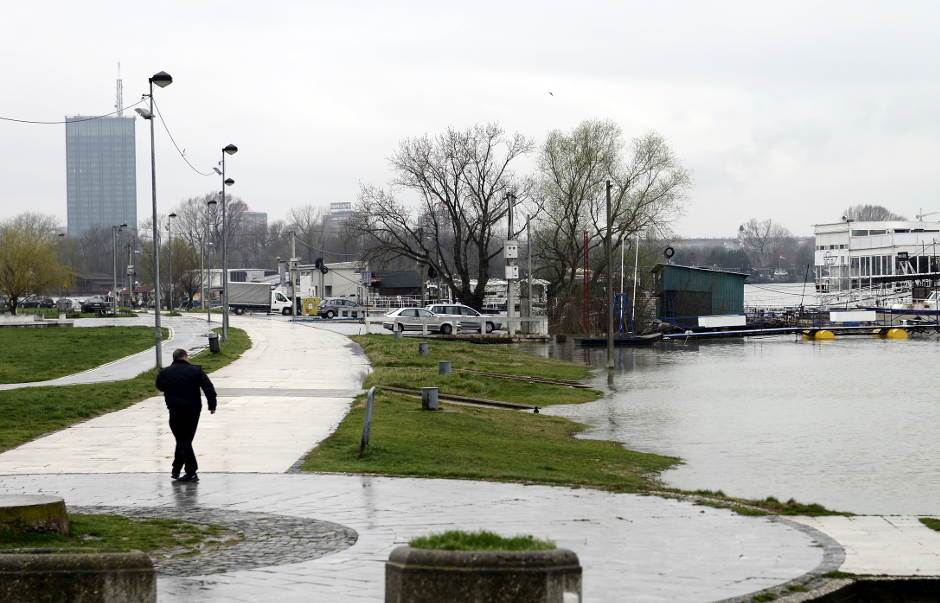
[[189, 478], [175, 475]]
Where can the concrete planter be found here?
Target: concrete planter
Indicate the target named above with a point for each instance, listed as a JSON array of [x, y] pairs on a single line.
[[430, 576], [61, 575], [33, 513]]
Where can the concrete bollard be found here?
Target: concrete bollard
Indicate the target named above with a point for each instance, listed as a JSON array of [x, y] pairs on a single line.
[[443, 367], [423, 348], [397, 335], [429, 398]]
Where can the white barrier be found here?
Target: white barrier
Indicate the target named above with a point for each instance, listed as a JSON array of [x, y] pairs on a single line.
[[853, 316]]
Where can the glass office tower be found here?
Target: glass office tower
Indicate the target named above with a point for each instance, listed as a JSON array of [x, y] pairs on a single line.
[[101, 170]]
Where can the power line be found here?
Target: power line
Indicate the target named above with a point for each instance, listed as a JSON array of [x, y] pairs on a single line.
[[178, 150], [68, 121]]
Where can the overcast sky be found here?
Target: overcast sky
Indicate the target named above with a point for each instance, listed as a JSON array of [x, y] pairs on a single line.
[[788, 110]]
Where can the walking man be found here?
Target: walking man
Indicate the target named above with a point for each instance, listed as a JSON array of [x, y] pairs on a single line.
[[180, 383]]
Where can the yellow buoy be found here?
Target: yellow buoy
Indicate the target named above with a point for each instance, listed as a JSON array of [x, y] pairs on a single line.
[[824, 335], [895, 334]]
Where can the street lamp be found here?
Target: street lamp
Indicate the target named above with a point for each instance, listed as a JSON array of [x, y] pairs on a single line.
[[161, 79], [210, 209], [226, 150], [169, 256], [114, 231]]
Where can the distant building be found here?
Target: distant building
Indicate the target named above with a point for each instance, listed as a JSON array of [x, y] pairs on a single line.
[[101, 173]]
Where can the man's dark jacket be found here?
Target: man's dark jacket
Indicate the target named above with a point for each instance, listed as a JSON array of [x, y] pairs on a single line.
[[180, 383]]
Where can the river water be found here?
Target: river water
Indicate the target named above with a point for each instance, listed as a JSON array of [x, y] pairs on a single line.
[[852, 424]]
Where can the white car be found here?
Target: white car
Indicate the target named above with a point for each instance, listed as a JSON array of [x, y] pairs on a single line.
[[414, 319], [465, 316]]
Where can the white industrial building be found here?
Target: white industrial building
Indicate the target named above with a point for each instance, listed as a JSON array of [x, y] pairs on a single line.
[[854, 255]]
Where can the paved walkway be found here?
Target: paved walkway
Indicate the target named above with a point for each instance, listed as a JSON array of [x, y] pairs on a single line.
[[288, 392], [632, 548], [883, 545], [185, 332]]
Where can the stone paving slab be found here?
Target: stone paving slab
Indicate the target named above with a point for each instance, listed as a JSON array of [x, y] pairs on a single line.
[[633, 548], [185, 332], [895, 545]]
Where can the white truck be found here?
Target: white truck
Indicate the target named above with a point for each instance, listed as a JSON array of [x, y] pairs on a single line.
[[257, 297]]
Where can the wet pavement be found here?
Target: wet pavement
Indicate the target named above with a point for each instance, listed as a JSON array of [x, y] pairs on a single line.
[[286, 393], [636, 548]]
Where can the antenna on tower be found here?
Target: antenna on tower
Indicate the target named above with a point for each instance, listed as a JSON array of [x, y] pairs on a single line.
[[119, 100]]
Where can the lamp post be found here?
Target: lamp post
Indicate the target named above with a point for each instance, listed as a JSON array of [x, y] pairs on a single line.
[[210, 208], [229, 149], [161, 79], [114, 231], [169, 257]]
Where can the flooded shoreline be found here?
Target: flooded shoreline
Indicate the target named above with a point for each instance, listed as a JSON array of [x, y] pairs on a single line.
[[850, 424]]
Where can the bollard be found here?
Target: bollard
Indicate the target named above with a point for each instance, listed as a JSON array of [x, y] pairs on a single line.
[[429, 398], [214, 343], [443, 367], [397, 335], [423, 348], [367, 423]]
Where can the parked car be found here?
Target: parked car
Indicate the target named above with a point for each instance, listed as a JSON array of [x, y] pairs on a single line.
[[96, 304], [465, 316], [410, 319], [37, 301], [332, 307]]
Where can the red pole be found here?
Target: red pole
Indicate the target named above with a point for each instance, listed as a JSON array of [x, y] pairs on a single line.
[[586, 304]]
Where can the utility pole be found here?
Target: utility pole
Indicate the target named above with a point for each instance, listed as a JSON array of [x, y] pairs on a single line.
[[290, 272], [586, 302], [511, 250], [528, 278], [608, 248]]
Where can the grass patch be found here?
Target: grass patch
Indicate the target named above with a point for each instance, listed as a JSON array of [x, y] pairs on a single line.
[[28, 354], [931, 522], [398, 364], [30, 412], [765, 506], [481, 443], [457, 540], [119, 533]]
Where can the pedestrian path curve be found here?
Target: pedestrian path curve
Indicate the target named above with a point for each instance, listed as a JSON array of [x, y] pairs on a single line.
[[287, 392], [186, 332]]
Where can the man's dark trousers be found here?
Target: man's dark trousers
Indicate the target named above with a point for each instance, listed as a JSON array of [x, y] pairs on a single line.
[[183, 423]]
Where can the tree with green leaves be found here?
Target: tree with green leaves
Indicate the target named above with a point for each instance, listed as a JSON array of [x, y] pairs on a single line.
[[28, 258]]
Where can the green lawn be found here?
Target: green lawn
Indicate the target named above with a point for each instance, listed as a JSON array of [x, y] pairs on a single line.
[[398, 364], [118, 533], [38, 354], [30, 412], [456, 540]]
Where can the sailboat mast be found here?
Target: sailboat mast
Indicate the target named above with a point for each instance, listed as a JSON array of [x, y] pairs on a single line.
[[636, 271]]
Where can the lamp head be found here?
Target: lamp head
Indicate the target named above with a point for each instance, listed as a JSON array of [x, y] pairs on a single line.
[[212, 203], [173, 215], [161, 79], [217, 170], [145, 113], [229, 182], [230, 149]]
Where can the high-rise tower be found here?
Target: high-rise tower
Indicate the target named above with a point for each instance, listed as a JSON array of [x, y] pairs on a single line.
[[101, 171]]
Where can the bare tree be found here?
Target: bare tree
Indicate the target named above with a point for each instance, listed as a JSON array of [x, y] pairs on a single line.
[[460, 181], [763, 240], [872, 213], [308, 223], [648, 187]]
